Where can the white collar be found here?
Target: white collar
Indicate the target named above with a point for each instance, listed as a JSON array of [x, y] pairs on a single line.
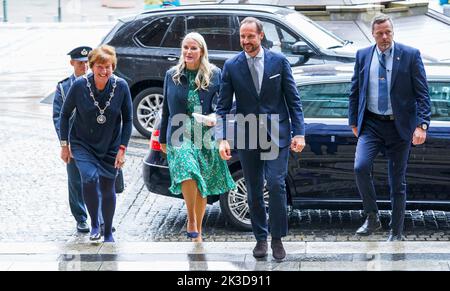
[[259, 55], [388, 52]]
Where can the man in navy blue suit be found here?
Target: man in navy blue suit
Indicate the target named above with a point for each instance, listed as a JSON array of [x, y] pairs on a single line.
[[268, 115], [389, 107], [79, 62]]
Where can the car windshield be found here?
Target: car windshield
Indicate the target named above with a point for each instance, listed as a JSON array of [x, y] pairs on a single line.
[[315, 33]]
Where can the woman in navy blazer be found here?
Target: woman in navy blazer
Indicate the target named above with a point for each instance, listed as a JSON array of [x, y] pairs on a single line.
[[196, 169]]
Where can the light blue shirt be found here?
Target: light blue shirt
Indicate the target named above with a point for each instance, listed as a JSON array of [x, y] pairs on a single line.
[[259, 64], [372, 100]]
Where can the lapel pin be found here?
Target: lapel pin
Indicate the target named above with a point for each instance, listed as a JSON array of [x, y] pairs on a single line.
[[398, 58]]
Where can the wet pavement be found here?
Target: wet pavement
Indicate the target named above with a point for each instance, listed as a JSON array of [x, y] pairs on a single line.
[[234, 256], [38, 233]]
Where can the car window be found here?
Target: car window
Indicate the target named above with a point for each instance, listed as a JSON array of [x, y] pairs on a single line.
[[313, 31], [325, 100], [278, 39], [219, 31], [440, 101], [152, 34], [175, 33]]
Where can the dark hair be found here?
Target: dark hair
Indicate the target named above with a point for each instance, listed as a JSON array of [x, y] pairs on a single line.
[[381, 18], [257, 22]]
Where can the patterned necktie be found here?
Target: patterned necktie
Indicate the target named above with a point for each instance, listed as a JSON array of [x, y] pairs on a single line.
[[254, 73], [382, 85]]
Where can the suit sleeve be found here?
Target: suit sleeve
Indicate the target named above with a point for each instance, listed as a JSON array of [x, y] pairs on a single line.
[[127, 116], [224, 102], [165, 112], [292, 100], [217, 74], [57, 105], [353, 99], [66, 111], [421, 89]]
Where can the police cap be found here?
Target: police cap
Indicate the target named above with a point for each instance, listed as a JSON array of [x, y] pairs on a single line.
[[80, 53]]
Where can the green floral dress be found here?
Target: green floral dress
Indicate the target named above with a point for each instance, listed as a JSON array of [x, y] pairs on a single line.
[[195, 159]]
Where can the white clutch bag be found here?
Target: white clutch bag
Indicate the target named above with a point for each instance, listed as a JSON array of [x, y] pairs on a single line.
[[206, 119]]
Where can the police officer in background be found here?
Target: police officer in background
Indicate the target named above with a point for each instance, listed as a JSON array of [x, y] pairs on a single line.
[[79, 62]]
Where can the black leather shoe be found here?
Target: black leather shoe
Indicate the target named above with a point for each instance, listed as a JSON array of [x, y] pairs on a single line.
[[278, 251], [83, 227], [395, 237], [371, 224], [260, 250]]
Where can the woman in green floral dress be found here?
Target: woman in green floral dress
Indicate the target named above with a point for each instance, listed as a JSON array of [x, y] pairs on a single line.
[[196, 169]]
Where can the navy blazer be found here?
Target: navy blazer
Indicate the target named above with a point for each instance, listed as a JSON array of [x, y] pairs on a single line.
[[278, 96], [61, 92], [175, 101], [410, 99]]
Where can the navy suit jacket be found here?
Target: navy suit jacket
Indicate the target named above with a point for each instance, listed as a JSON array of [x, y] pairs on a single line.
[[61, 92], [175, 101], [410, 99], [278, 96]]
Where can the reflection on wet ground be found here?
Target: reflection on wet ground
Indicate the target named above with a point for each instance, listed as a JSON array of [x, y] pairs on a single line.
[[237, 256]]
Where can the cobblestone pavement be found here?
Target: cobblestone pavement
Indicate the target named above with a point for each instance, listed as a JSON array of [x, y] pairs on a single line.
[[34, 204]]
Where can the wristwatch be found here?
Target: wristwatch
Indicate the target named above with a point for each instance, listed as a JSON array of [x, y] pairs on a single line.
[[63, 143], [423, 126]]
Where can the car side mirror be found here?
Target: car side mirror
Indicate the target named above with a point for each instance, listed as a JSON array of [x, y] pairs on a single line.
[[301, 48]]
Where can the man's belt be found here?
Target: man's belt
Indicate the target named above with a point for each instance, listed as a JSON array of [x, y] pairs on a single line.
[[379, 116]]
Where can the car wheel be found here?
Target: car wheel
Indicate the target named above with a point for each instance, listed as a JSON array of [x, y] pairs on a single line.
[[145, 109], [234, 204]]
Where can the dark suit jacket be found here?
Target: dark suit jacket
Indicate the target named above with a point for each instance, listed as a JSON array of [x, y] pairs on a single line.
[[278, 96], [409, 89], [61, 92], [175, 101]]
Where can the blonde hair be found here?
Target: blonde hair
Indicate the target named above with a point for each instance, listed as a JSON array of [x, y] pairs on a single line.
[[205, 72], [103, 54]]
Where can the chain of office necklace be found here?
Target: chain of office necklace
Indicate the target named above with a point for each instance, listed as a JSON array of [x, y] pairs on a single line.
[[101, 119]]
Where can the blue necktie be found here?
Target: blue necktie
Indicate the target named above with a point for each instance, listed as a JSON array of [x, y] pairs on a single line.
[[382, 85]]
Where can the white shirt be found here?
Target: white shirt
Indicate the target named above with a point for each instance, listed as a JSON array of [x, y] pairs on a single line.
[[259, 64]]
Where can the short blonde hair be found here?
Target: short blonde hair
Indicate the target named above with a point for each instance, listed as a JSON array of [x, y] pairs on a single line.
[[103, 54]]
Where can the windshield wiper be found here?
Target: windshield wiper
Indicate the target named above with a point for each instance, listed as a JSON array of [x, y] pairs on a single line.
[[335, 46], [346, 42]]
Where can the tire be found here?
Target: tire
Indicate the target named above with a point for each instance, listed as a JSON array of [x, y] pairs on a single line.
[[145, 109], [234, 204]]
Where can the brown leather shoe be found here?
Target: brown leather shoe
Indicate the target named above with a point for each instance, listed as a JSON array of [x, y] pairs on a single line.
[[371, 224], [260, 250], [278, 251]]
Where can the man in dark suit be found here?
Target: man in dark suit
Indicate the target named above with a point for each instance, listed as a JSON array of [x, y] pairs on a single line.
[[389, 106], [268, 114]]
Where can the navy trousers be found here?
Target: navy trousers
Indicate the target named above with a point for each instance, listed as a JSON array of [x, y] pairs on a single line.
[[274, 172], [76, 200], [376, 133]]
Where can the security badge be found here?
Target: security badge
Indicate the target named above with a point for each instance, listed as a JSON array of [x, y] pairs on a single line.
[[84, 52]]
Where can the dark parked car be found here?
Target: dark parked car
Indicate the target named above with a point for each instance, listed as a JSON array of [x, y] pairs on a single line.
[[322, 175], [149, 44]]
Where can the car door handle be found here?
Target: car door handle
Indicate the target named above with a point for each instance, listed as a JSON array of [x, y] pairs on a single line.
[[172, 58]]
